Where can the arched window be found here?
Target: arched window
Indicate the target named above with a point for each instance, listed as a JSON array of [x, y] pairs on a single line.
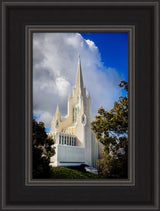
[[70, 141], [62, 139], [65, 140]]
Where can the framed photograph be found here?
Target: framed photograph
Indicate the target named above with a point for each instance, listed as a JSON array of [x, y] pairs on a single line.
[[75, 148], [80, 105]]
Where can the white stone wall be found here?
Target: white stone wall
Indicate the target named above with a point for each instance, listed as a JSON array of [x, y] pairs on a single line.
[[94, 150], [88, 147], [68, 155]]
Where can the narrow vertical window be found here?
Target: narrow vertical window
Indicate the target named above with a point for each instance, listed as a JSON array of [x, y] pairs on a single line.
[[73, 114]]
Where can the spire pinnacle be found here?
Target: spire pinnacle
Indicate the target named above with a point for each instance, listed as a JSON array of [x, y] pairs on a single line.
[[79, 80], [57, 114], [57, 109]]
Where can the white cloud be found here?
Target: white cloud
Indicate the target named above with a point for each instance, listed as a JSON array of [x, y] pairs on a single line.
[[91, 44], [55, 60], [62, 86], [44, 117]]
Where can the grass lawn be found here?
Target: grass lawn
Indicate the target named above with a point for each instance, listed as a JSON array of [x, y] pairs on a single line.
[[67, 173]]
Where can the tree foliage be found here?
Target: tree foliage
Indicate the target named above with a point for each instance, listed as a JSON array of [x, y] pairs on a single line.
[[111, 129], [42, 150]]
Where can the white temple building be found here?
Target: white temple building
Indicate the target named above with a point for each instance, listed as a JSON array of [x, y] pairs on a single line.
[[75, 143]]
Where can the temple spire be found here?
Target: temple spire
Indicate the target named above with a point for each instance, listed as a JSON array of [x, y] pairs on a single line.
[[57, 114], [79, 80]]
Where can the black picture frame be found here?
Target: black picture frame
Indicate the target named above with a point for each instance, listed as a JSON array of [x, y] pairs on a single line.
[[16, 193]]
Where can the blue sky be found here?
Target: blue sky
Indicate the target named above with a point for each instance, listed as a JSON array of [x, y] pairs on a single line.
[[113, 48], [104, 61]]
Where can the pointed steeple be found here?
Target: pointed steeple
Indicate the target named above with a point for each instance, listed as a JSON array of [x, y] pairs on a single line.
[[57, 114], [79, 80]]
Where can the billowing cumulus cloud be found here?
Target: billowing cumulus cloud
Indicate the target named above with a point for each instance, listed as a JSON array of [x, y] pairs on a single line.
[[55, 60]]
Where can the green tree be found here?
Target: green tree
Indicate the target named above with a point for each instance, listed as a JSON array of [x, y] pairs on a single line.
[[111, 129], [42, 150]]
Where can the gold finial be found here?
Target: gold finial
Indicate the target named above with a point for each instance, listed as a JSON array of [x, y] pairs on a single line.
[[79, 55]]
